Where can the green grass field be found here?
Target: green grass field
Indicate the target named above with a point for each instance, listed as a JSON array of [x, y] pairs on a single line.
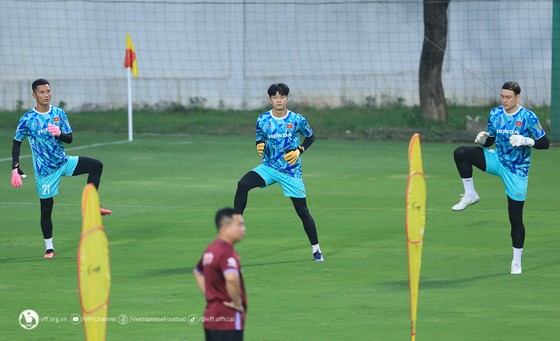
[[165, 189]]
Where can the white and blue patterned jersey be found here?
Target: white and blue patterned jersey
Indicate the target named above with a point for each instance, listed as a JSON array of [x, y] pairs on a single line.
[[48, 152], [280, 136], [502, 125]]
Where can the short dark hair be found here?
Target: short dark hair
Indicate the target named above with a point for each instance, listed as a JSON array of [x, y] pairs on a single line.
[[280, 88], [513, 86], [225, 213], [40, 81]]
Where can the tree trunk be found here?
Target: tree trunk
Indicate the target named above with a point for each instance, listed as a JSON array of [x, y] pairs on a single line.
[[432, 98]]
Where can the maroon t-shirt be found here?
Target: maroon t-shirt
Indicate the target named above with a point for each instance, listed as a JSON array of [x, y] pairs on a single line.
[[219, 258]]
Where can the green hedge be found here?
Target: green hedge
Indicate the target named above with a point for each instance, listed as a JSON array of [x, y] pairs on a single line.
[[349, 122]]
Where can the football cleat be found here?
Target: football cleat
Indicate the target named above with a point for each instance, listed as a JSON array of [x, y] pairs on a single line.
[[317, 256], [104, 211], [515, 268], [466, 201], [49, 254]]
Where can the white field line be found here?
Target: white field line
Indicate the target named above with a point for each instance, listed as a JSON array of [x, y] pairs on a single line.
[[75, 148]]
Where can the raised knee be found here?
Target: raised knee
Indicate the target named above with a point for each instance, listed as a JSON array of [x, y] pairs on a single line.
[[459, 152], [243, 185], [99, 166]]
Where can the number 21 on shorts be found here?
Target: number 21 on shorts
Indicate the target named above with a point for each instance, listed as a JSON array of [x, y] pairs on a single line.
[[46, 189]]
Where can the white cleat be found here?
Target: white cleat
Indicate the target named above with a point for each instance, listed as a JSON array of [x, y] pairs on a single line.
[[466, 201], [515, 268]]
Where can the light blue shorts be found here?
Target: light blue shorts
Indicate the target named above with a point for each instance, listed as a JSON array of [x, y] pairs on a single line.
[[47, 185], [516, 186], [292, 187]]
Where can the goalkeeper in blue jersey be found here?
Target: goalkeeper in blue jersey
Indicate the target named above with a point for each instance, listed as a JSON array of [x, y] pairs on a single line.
[[515, 130], [277, 142], [46, 128]]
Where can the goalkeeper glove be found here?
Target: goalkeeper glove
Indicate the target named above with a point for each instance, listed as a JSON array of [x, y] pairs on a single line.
[[17, 175], [54, 129], [520, 140], [481, 137], [292, 156], [260, 147]]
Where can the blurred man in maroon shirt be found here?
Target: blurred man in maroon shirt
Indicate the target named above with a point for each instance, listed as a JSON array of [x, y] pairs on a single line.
[[219, 276]]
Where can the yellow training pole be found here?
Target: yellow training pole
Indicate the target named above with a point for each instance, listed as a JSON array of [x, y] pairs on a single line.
[[415, 223], [94, 276]]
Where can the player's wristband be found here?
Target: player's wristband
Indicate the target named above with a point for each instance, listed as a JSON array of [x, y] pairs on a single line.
[[301, 149], [15, 165], [66, 138]]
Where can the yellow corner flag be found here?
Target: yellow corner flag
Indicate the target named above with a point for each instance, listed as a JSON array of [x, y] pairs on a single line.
[[415, 222], [94, 276], [130, 56]]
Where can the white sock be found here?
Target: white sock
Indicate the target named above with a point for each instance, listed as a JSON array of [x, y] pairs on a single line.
[[315, 247], [517, 253], [49, 244], [469, 187]]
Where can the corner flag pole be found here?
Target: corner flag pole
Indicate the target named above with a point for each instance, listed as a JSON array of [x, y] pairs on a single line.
[[415, 223], [129, 81], [132, 65]]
